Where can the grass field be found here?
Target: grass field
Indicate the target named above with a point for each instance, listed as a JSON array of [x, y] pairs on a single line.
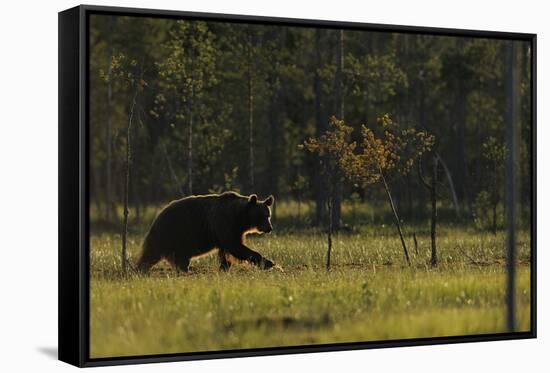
[[369, 294]]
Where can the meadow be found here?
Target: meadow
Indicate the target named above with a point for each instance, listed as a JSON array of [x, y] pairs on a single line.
[[370, 293]]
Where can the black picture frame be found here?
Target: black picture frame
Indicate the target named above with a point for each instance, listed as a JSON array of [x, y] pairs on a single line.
[[74, 194]]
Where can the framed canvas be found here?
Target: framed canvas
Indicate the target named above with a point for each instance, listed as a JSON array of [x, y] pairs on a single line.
[[240, 186]]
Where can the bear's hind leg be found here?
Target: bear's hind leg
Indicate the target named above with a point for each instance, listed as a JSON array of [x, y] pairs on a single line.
[[182, 263], [224, 263]]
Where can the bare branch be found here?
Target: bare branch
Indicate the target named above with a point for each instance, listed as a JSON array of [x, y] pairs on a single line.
[[451, 184]]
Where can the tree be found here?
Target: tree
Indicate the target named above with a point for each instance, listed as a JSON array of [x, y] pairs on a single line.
[[379, 157], [388, 154], [298, 187], [130, 72], [110, 209], [494, 153], [335, 212], [275, 59], [456, 66], [512, 137], [332, 147], [250, 74], [191, 130], [432, 187], [320, 128], [187, 72]]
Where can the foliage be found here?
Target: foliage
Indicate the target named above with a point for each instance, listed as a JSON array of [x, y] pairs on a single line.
[[486, 203], [333, 147], [481, 210], [495, 152], [189, 67], [229, 182], [197, 71], [382, 73], [391, 153], [300, 184], [377, 157]]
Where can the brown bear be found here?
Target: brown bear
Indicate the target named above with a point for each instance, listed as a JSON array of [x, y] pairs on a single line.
[[194, 226]]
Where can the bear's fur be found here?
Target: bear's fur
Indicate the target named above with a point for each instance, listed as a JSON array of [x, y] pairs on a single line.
[[197, 225]]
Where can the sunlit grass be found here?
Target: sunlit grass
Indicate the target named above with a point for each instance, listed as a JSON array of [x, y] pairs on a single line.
[[369, 294]]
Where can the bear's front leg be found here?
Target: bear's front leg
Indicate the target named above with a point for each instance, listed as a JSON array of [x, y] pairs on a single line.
[[266, 263], [244, 253], [182, 262], [225, 264]]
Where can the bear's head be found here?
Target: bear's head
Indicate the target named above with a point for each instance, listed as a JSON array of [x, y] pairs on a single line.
[[259, 214]]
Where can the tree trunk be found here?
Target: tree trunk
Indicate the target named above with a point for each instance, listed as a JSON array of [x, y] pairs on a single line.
[[299, 207], [190, 109], [526, 70], [250, 87], [433, 192], [190, 152], [460, 131], [320, 128], [109, 205], [330, 228], [124, 255], [97, 185], [396, 220], [451, 184], [512, 139], [494, 227], [495, 197], [340, 75], [275, 156], [171, 170], [337, 207], [137, 202]]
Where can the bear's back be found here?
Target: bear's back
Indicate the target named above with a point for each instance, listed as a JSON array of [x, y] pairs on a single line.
[[189, 208], [184, 225], [202, 212]]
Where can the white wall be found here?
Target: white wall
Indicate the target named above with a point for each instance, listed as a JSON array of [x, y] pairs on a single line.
[[28, 184]]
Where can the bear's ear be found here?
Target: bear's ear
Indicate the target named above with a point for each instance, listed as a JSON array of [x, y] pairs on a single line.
[[253, 199], [269, 200]]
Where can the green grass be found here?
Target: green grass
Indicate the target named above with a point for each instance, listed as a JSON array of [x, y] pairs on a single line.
[[370, 293]]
